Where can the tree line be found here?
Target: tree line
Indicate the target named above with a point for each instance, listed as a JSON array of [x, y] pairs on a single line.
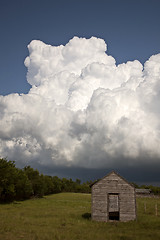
[[21, 184]]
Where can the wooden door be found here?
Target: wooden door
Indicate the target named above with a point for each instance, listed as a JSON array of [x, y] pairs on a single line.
[[113, 203], [113, 206]]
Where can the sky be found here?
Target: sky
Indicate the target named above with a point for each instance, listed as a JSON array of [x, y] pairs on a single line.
[[79, 87]]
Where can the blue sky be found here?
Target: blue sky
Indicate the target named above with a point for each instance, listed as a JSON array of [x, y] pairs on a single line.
[[129, 27]]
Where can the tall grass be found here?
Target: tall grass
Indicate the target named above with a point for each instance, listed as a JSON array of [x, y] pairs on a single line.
[[59, 217]]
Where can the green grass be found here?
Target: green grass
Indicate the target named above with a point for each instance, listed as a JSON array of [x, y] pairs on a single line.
[[59, 217]]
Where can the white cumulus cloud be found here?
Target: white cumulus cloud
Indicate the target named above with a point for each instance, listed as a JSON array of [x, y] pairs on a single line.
[[82, 109]]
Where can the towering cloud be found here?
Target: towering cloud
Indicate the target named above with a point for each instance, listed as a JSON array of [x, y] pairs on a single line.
[[82, 109]]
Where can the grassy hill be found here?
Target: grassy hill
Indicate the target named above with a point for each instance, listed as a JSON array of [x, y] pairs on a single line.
[[63, 217]]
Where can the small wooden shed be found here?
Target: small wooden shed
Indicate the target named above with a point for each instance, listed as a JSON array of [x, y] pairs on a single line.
[[113, 198]]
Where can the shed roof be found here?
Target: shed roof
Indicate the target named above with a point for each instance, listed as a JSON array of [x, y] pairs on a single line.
[[143, 191], [95, 182]]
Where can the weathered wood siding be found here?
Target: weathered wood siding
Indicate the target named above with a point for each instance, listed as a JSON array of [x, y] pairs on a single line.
[[113, 184]]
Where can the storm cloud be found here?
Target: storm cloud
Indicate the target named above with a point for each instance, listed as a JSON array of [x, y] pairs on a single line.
[[83, 110]]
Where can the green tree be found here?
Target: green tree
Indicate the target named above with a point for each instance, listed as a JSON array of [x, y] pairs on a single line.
[[23, 187], [48, 185], [7, 180], [57, 184], [36, 181]]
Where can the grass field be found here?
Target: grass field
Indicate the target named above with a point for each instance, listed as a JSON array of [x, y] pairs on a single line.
[[59, 217]]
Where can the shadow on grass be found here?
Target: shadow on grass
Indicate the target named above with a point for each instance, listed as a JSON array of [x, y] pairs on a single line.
[[87, 216]]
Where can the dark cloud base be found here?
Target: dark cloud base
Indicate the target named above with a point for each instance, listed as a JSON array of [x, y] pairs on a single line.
[[141, 174]]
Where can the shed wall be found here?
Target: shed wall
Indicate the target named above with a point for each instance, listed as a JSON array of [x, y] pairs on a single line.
[[100, 197]]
